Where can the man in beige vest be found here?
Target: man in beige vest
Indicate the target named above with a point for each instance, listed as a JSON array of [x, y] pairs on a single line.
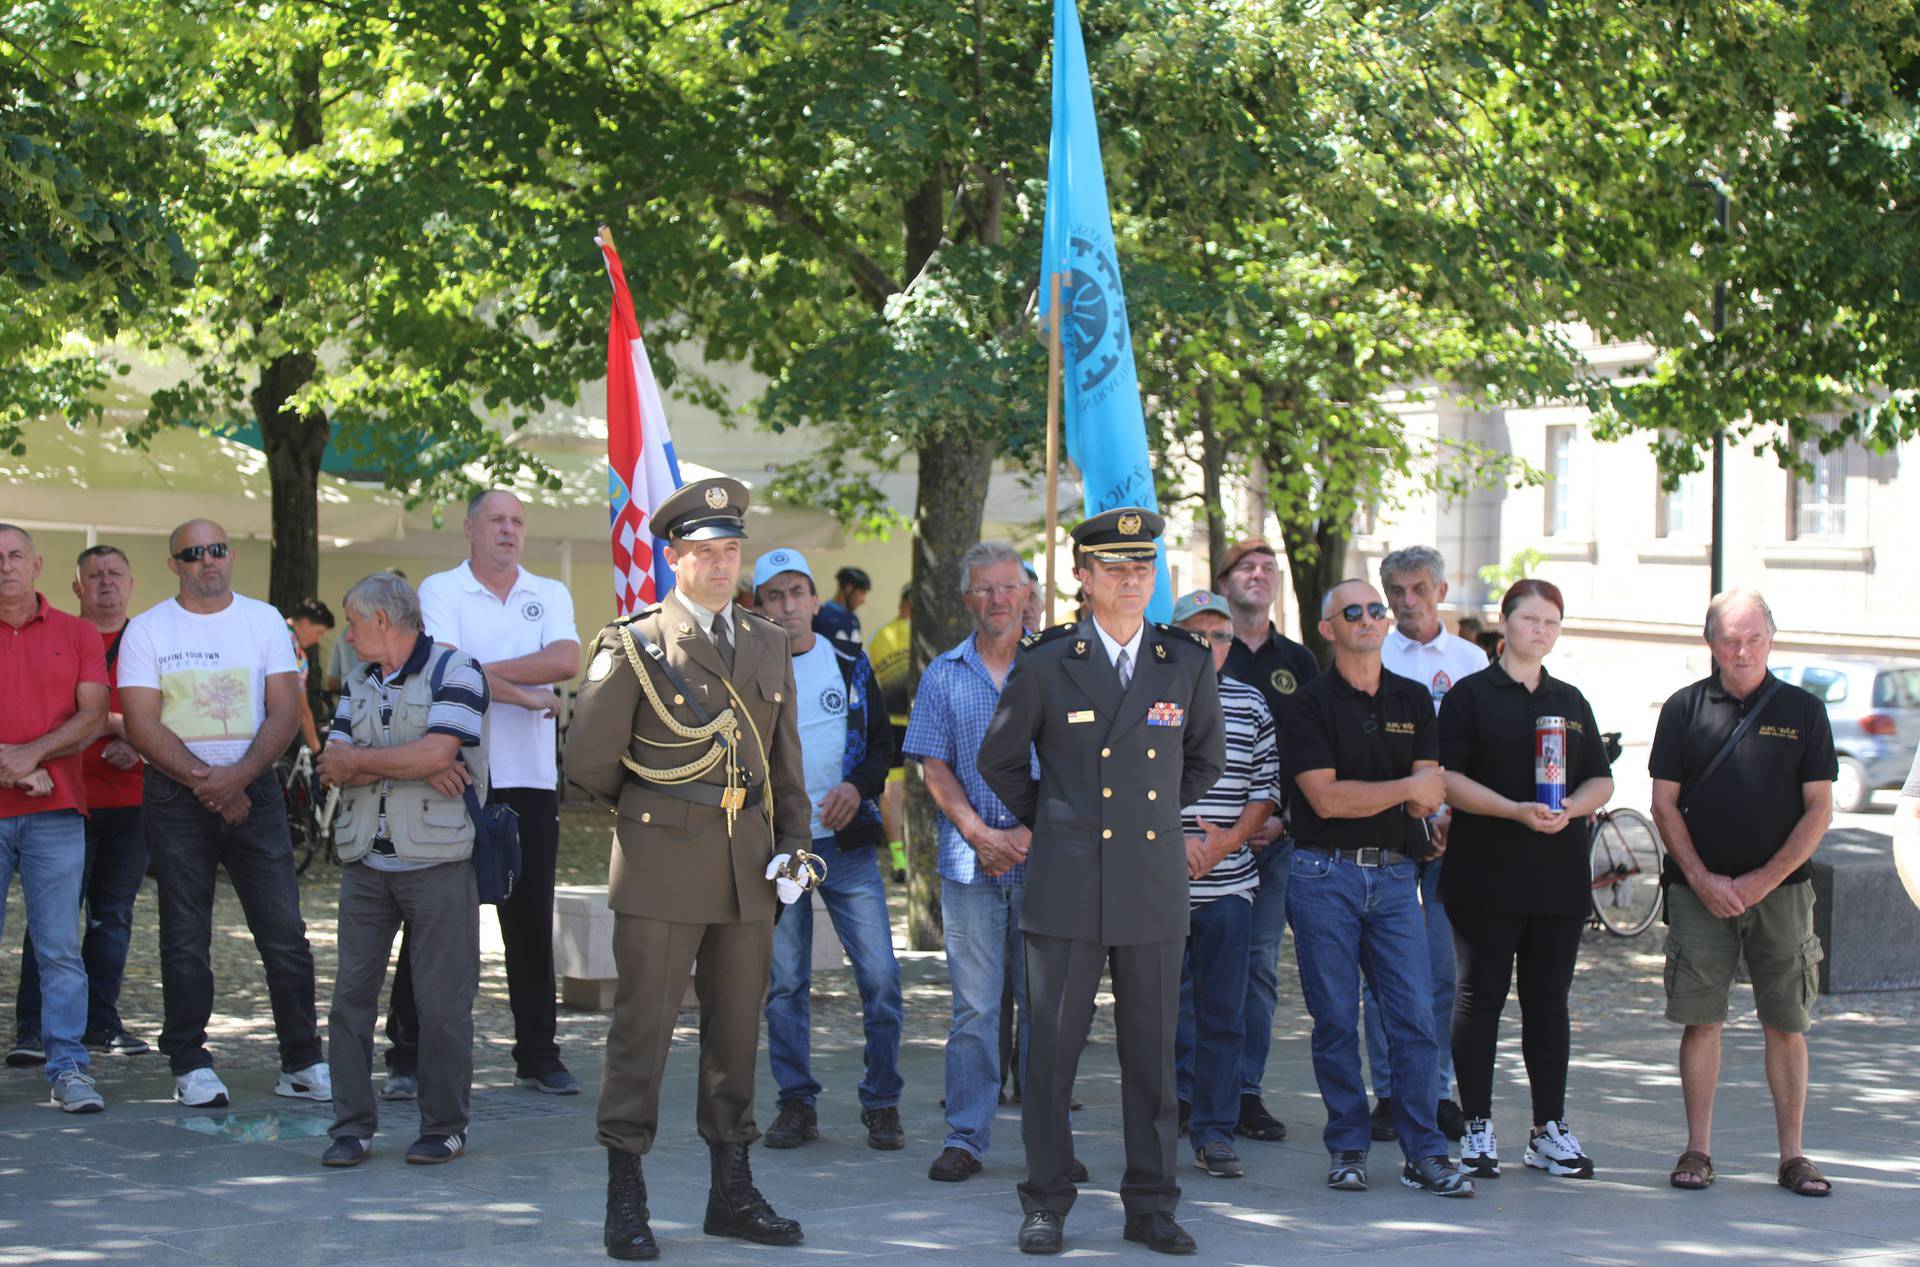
[[686, 723], [410, 727]]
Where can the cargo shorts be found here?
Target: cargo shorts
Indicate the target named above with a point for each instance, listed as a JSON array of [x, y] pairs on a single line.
[[1777, 940]]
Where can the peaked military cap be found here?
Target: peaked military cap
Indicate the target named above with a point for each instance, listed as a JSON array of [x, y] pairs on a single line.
[[705, 510], [1125, 532]]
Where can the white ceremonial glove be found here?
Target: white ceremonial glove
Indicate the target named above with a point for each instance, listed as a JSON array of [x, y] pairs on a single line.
[[789, 891]]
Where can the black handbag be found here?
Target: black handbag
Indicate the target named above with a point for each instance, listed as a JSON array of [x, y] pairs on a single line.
[[496, 830]]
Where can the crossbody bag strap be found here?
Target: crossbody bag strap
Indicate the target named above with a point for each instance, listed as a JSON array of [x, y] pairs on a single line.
[[679, 684], [434, 680], [1732, 741]]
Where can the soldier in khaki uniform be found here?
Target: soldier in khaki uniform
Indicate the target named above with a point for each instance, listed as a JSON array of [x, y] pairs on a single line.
[[1124, 716], [686, 723]]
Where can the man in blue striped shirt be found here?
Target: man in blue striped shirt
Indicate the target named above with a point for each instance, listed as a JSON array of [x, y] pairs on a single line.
[[1221, 885], [983, 848]]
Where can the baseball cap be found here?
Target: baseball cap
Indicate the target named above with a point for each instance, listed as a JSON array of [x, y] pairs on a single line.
[[1190, 605], [774, 562]]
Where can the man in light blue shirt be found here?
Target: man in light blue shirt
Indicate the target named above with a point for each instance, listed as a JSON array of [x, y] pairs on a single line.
[[982, 847], [846, 746]]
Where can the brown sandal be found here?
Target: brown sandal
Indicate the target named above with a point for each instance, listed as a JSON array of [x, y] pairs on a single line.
[[1799, 1176], [1693, 1171]]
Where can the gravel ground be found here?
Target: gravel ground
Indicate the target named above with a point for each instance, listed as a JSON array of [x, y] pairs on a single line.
[[1618, 983]]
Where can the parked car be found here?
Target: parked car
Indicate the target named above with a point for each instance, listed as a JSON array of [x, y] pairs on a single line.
[[1874, 706]]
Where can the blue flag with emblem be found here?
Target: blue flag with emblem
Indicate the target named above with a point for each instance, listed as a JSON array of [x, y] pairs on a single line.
[[1106, 430]]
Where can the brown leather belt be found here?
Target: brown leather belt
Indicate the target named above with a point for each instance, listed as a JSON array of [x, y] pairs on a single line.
[[709, 794]]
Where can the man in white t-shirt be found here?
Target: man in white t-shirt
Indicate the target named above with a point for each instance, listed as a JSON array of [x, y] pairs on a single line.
[[520, 627], [210, 696], [1419, 647]]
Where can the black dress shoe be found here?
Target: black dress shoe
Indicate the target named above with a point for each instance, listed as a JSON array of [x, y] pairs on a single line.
[[1042, 1232], [627, 1236], [1451, 1120], [1159, 1233], [736, 1208], [1380, 1122], [1079, 1172], [1186, 1116], [1256, 1123]]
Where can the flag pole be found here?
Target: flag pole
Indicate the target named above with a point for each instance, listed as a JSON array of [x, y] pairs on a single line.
[[1053, 431], [604, 236]]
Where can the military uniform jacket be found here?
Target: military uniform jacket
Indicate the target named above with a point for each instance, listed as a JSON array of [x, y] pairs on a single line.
[[1108, 861], [673, 859]]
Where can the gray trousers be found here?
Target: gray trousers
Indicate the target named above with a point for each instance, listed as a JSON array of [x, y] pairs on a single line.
[[442, 907], [1062, 977]]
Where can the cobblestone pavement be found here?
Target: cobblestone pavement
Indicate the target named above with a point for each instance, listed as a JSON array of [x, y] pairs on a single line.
[[150, 1182]]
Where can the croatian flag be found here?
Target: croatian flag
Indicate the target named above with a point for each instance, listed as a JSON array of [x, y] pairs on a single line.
[[641, 469], [1106, 431]]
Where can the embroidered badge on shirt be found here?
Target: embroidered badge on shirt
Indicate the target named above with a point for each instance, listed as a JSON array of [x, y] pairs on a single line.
[[1165, 714]]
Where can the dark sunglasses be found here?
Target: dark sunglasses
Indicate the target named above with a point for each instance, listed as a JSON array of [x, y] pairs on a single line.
[[193, 554], [1351, 612]]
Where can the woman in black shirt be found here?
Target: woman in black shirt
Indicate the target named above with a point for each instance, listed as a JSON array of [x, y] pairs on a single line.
[[1516, 884]]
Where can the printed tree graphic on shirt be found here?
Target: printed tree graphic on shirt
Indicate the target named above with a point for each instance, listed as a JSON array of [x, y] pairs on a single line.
[[221, 696]]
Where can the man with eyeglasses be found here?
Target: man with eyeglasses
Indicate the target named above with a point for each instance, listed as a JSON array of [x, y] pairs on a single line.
[[116, 853], [1276, 666], [1124, 718], [1361, 747], [982, 849], [211, 696], [1221, 887]]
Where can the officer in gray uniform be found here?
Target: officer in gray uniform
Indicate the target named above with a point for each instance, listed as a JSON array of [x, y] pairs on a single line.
[[1125, 717]]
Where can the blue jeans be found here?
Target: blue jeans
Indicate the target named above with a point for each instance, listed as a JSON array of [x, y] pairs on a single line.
[[976, 918], [1348, 919], [1263, 960], [116, 864], [1211, 1036], [49, 849], [857, 904], [1440, 964], [189, 844]]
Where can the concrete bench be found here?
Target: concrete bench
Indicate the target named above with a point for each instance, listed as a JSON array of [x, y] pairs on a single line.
[[1863, 917], [583, 946]]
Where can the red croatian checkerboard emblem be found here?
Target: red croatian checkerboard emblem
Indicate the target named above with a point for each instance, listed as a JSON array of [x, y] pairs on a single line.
[[1164, 714]]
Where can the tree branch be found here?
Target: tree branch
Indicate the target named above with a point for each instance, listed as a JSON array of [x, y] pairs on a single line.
[[873, 281]]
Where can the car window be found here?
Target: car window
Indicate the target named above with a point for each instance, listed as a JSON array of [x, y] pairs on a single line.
[[1784, 672], [1829, 685], [1897, 688]]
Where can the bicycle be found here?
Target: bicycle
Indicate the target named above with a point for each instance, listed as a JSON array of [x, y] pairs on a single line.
[[1625, 858], [309, 818]]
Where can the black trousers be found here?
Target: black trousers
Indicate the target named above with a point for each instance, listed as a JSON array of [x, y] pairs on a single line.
[[1486, 947], [1062, 976], [526, 929]]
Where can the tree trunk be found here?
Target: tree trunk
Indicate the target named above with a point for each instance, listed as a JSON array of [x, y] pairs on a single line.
[[950, 499], [1213, 461], [1315, 553], [294, 443]]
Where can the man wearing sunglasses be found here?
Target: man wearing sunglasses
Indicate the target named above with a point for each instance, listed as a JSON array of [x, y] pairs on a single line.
[[1361, 746], [210, 694]]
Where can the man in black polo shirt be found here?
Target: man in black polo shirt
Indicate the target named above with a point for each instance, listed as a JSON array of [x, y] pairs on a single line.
[[1361, 747], [1740, 830], [1276, 666]]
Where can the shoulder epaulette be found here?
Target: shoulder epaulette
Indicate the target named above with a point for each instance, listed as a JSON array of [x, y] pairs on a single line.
[[628, 619], [1042, 636], [1176, 632], [765, 620]]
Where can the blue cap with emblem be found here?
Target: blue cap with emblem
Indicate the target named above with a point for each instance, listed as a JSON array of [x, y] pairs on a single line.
[[1191, 605], [774, 562]]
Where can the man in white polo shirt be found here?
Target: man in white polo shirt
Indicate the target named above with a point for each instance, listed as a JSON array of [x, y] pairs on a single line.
[[1419, 647], [520, 627]]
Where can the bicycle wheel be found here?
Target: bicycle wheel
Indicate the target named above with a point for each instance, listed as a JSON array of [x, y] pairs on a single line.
[[1626, 858], [302, 821]]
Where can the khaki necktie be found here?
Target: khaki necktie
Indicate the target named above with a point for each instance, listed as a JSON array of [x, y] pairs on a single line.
[[721, 642]]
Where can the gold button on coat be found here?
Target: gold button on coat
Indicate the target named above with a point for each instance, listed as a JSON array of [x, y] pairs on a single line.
[[1149, 835], [1106, 752], [646, 818], [1106, 791], [1106, 833], [1149, 754], [1152, 795]]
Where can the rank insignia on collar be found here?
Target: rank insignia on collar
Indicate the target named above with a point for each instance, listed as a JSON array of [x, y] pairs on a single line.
[[683, 628], [1080, 647], [1159, 650]]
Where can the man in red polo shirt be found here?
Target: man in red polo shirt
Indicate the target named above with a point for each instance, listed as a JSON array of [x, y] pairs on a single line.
[[116, 845], [53, 700]]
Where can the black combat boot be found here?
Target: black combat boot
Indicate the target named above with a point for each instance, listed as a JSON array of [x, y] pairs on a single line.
[[627, 1234], [736, 1208]]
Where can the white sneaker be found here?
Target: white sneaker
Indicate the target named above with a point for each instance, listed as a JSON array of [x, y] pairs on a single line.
[[200, 1089], [315, 1082], [1479, 1151], [1556, 1150], [74, 1092]]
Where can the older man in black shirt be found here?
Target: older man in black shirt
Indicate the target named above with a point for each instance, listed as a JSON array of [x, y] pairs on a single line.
[[1360, 745], [1743, 768]]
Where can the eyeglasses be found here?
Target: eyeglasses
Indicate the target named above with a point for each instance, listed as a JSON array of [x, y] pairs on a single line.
[[1219, 636], [193, 554], [1351, 612], [997, 591]]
